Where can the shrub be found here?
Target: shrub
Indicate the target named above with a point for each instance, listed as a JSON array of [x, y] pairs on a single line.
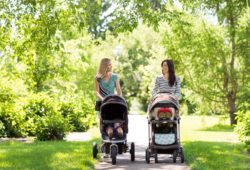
[[80, 114], [13, 120], [51, 127], [2, 129], [88, 113], [243, 127], [38, 105]]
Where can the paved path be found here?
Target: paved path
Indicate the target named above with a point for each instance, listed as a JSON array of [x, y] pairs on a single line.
[[138, 133]]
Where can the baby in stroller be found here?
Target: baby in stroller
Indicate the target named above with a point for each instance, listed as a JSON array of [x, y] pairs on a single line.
[[163, 106], [164, 128], [114, 118], [114, 129]]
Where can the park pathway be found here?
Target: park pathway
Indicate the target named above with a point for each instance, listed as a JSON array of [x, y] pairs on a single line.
[[138, 133]]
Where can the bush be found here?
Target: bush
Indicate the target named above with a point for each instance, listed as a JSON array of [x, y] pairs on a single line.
[[80, 114], [243, 127], [88, 113], [38, 105], [51, 127], [13, 120], [2, 129]]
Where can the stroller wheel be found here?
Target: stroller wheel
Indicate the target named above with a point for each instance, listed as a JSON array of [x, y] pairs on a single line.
[[175, 153], [182, 155], [147, 155], [113, 154], [94, 150], [120, 148], [132, 151], [156, 157]]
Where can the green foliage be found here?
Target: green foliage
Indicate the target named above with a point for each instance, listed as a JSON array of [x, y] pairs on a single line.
[[243, 40], [37, 106], [243, 127], [195, 47], [51, 127], [12, 116], [80, 114], [88, 112], [13, 120], [2, 129]]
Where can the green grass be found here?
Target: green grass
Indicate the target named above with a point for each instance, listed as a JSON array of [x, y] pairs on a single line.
[[46, 155], [219, 128], [210, 143]]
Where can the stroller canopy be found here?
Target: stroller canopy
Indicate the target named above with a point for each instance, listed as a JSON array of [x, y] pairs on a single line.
[[114, 107], [163, 100]]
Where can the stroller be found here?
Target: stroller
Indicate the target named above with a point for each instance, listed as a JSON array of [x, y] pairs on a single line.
[[163, 128], [113, 111]]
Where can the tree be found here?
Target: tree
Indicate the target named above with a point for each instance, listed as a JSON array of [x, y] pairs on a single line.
[[228, 13]]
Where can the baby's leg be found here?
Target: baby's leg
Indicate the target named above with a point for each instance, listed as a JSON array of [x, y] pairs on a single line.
[[154, 113], [118, 127], [173, 113], [109, 131]]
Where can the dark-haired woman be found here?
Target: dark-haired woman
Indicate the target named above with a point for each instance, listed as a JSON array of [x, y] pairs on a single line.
[[167, 82]]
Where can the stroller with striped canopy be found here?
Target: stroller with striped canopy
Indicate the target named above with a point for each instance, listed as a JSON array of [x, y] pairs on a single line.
[[164, 128]]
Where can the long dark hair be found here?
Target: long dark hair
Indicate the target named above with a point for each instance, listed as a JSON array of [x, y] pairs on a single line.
[[171, 71]]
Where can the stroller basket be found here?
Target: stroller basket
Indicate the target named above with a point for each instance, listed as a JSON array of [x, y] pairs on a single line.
[[164, 139]]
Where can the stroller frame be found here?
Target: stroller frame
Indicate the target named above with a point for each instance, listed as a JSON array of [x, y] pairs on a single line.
[[113, 146], [154, 149]]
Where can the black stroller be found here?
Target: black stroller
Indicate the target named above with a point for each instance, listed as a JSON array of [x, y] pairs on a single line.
[[114, 110], [163, 128]]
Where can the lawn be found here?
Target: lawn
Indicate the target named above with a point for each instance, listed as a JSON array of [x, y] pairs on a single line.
[[46, 155], [210, 143]]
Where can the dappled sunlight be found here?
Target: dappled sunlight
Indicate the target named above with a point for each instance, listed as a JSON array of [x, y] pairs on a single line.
[[52, 79], [46, 155], [192, 129], [218, 127], [209, 155]]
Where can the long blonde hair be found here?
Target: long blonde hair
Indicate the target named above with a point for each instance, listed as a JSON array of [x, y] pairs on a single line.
[[103, 68]]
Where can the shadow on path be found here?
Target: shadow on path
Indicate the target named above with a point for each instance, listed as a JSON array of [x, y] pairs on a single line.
[[138, 133]]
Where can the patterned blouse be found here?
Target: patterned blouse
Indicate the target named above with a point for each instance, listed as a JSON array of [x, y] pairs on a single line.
[[162, 86]]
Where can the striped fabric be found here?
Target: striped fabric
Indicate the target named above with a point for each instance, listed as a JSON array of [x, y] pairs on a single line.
[[162, 86]]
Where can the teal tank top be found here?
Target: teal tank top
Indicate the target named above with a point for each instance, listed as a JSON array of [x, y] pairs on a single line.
[[108, 87]]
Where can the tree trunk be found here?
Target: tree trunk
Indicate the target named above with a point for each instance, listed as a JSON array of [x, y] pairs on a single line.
[[231, 108], [231, 95]]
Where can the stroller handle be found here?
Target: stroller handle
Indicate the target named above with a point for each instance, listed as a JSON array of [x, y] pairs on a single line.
[[113, 121]]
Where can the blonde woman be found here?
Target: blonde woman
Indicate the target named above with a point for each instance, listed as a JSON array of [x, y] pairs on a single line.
[[105, 83]]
